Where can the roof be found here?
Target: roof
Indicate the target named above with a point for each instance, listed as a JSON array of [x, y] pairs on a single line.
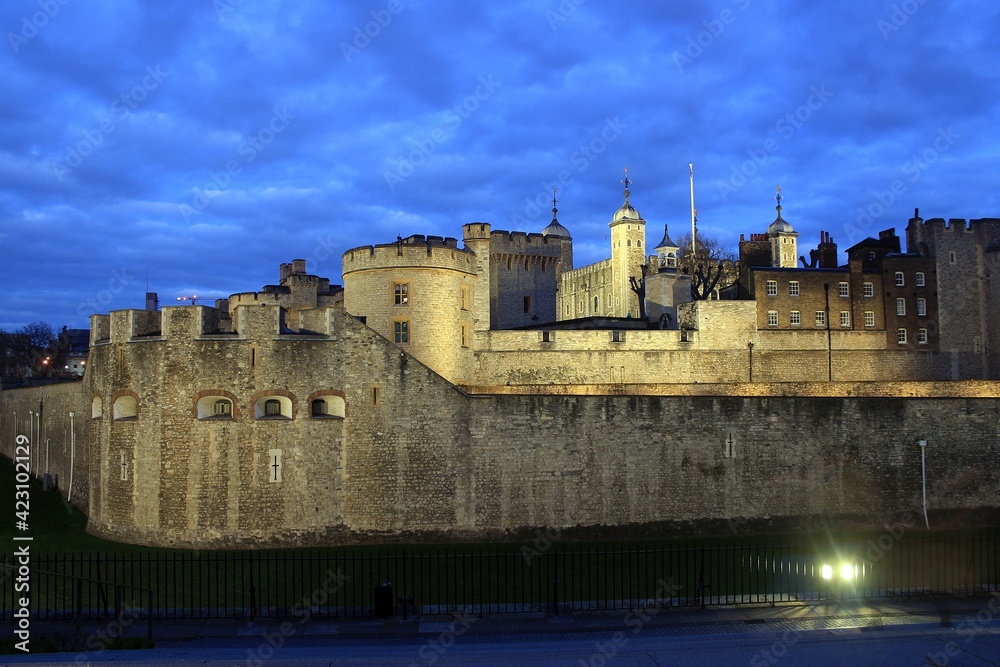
[[665, 242]]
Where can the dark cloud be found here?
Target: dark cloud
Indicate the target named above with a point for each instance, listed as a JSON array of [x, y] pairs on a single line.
[[207, 142]]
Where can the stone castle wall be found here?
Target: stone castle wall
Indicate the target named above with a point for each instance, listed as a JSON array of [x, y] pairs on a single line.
[[59, 446], [414, 458]]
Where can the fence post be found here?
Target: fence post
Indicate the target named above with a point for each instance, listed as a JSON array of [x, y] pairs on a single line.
[[118, 609], [555, 583], [79, 604]]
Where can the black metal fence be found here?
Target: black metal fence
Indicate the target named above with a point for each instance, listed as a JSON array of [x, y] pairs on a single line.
[[491, 580]]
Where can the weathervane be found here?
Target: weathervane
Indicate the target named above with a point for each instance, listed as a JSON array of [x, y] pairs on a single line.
[[627, 183]]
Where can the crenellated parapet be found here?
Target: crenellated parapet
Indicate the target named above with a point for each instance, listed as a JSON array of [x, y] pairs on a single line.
[[522, 243], [433, 252]]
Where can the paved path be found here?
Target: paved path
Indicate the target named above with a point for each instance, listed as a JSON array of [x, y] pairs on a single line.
[[920, 632]]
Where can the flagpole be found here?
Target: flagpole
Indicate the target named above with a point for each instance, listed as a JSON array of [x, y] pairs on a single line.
[[694, 213]]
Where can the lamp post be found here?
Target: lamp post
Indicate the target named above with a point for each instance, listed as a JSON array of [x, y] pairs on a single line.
[[829, 340], [923, 478], [750, 347]]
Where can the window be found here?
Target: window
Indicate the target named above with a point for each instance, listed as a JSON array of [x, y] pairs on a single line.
[[952, 259], [795, 318], [922, 336], [617, 336], [793, 288], [901, 306], [901, 336], [401, 331], [327, 406], [871, 256], [772, 318], [820, 318], [272, 408], [546, 336], [96, 408], [465, 297], [123, 465], [222, 408], [527, 304], [772, 287], [215, 406], [274, 465], [843, 290], [125, 408], [463, 333], [596, 303], [900, 280], [401, 294], [922, 307], [920, 280], [869, 318], [845, 318], [869, 290]]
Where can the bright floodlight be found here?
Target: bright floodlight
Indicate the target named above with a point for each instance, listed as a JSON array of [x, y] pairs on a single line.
[[827, 572], [847, 571]]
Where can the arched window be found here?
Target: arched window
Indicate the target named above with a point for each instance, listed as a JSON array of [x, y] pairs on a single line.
[[215, 406], [126, 408], [97, 408], [273, 407], [327, 407]]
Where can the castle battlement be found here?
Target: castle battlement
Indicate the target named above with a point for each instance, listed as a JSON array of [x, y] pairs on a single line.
[[432, 252], [253, 320], [590, 269], [523, 243]]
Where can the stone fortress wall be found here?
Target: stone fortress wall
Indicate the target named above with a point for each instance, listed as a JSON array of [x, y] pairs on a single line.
[[504, 432], [413, 457]]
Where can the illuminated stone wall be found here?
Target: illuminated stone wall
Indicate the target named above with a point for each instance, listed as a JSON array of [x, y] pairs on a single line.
[[413, 458]]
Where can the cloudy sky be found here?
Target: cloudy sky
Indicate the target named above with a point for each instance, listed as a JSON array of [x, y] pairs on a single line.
[[208, 141]]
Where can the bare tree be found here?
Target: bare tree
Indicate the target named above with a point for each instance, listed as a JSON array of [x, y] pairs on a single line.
[[638, 285], [41, 334], [711, 266]]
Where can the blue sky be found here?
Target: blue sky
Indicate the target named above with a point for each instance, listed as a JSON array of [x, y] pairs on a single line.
[[206, 142]]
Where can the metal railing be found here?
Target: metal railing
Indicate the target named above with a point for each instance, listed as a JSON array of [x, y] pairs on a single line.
[[505, 579]]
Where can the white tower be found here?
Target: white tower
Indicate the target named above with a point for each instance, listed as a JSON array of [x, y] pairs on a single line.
[[784, 247], [628, 235]]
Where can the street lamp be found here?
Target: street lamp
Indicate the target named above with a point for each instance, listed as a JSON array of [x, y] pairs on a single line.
[[923, 478], [829, 340]]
